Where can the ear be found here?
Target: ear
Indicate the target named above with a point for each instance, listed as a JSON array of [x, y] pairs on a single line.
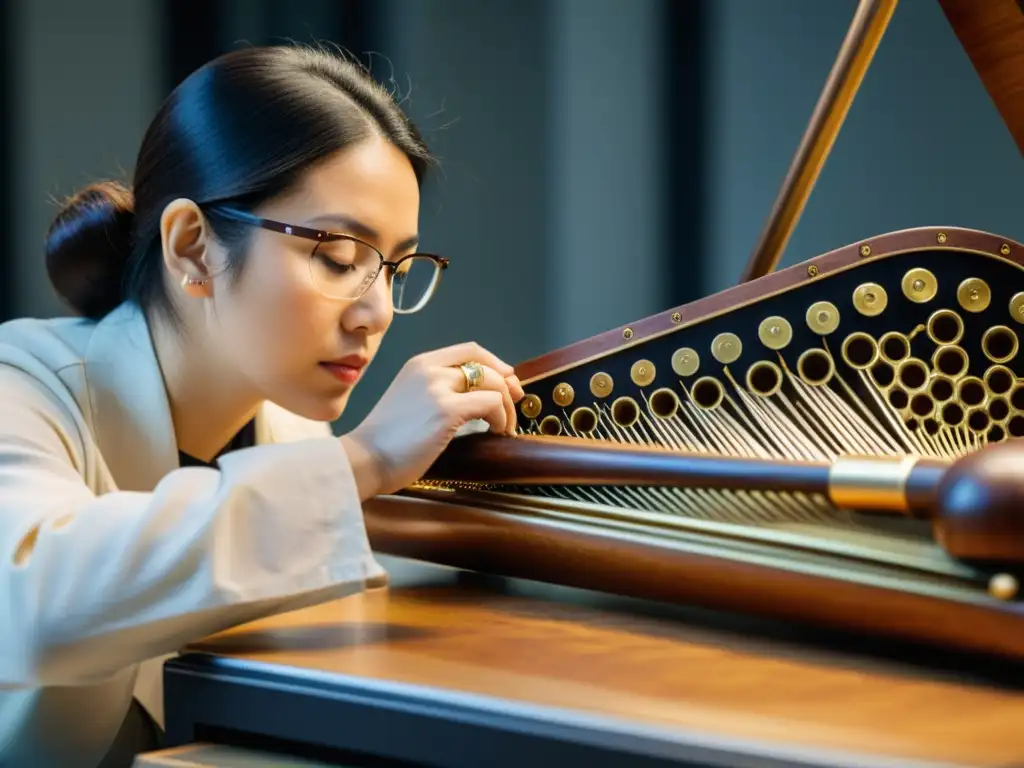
[[185, 239]]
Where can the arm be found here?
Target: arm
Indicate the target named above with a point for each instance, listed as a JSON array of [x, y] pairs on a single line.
[[90, 584]]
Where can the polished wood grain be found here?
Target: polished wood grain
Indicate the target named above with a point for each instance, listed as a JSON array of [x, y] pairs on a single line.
[[220, 756], [463, 531], [561, 460], [643, 667], [974, 501], [992, 34]]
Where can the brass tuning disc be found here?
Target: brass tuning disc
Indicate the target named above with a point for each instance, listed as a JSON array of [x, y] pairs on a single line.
[[601, 384], [823, 317], [550, 425], [950, 360], [870, 299], [1017, 307], [584, 420], [941, 387], [642, 372], [999, 344], [775, 332], [859, 350], [912, 374], [530, 407], [764, 378], [919, 285], [974, 294], [815, 367], [894, 346], [663, 403], [625, 412], [685, 361], [999, 379], [727, 348], [563, 395], [707, 393], [945, 326]]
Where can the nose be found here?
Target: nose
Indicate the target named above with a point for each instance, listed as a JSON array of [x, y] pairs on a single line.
[[372, 312]]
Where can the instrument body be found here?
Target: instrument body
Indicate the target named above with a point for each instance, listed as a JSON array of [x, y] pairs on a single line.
[[790, 555], [719, 568], [901, 346]]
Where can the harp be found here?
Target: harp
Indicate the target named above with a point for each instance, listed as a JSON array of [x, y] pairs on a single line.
[[834, 443]]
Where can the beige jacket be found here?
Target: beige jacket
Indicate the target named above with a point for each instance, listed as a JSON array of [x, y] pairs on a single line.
[[113, 557]]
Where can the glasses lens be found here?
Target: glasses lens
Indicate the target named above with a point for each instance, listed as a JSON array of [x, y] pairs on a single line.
[[413, 283], [344, 269]]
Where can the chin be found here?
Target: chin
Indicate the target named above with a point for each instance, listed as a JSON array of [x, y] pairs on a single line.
[[333, 410], [325, 410], [315, 408]]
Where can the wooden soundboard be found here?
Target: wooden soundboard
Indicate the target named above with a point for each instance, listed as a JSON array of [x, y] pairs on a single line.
[[450, 669]]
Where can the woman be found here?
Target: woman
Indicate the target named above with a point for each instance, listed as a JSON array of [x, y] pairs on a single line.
[[166, 464]]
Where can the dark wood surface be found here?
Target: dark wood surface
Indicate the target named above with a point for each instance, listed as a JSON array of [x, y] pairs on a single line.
[[716, 676]]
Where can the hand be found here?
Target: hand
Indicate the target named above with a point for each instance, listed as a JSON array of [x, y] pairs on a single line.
[[421, 411]]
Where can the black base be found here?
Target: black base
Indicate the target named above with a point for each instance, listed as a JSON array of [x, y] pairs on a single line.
[[359, 721]]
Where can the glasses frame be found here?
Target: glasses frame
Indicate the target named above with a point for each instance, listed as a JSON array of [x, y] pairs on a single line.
[[323, 236]]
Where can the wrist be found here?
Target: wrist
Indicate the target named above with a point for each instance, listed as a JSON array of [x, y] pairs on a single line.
[[365, 467]]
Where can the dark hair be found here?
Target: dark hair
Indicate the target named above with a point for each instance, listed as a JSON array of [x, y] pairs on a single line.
[[242, 130]]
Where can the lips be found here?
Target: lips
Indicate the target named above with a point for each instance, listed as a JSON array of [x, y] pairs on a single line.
[[346, 369], [352, 361]]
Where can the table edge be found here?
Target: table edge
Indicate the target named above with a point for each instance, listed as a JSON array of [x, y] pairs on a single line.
[[469, 709]]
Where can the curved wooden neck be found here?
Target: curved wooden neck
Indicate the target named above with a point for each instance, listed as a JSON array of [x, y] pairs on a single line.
[[869, 24]]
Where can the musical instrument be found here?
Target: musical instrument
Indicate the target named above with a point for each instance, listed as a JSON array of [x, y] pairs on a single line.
[[834, 443]]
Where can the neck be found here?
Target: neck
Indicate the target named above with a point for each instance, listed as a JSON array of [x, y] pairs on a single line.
[[208, 406]]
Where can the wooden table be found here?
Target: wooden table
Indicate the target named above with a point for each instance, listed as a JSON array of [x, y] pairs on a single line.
[[444, 670]]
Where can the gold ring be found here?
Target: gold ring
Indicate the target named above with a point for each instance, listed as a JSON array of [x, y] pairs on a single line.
[[474, 373]]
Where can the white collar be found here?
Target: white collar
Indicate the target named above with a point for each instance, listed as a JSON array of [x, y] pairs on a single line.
[[131, 415]]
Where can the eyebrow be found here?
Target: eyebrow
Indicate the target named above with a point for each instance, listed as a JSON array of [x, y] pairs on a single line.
[[357, 228]]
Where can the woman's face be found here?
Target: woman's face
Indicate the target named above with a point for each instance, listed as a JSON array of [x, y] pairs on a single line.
[[291, 343]]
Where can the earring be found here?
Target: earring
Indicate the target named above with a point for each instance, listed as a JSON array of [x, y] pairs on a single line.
[[186, 281]]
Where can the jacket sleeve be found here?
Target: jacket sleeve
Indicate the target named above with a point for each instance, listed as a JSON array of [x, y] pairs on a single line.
[[90, 584]]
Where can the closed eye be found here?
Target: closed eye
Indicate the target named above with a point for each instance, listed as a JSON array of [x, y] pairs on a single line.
[[332, 265]]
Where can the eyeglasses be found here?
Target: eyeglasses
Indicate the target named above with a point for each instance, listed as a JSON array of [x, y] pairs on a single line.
[[344, 267]]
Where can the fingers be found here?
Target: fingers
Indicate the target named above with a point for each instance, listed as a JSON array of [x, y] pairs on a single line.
[[485, 404], [457, 354], [515, 388], [493, 381], [499, 378], [464, 353]]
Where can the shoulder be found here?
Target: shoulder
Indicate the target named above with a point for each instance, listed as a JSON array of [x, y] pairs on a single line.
[[83, 359], [49, 352], [56, 343], [46, 353], [42, 383]]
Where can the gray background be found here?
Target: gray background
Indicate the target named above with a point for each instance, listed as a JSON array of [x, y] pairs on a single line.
[[553, 120]]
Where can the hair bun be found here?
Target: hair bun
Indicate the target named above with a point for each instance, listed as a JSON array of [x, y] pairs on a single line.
[[89, 246]]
